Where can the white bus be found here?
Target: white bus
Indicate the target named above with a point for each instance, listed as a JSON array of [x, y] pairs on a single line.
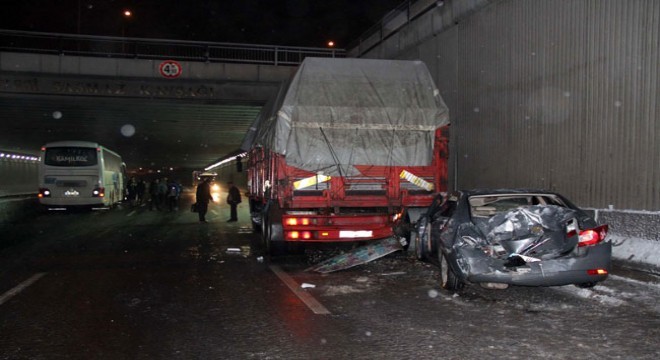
[[80, 173]]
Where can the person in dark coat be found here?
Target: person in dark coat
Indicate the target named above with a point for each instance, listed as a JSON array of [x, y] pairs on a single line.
[[203, 196], [173, 193], [132, 191], [141, 188], [162, 193], [153, 195], [233, 199]]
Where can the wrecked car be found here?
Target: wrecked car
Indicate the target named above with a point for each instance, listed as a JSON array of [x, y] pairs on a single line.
[[498, 238]]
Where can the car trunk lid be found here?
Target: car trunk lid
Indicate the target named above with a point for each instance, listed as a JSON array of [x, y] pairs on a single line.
[[537, 231]]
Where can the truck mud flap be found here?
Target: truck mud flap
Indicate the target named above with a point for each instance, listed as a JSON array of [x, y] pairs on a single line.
[[358, 256]]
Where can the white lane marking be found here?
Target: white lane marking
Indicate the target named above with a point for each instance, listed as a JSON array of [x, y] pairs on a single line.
[[20, 287], [131, 213], [308, 299]]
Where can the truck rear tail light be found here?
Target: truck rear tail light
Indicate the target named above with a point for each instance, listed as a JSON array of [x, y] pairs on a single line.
[[298, 235], [597, 272], [592, 236], [98, 192], [43, 192], [297, 221]]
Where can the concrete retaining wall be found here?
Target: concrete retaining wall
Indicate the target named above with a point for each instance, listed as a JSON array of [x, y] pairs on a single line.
[[17, 208], [17, 176]]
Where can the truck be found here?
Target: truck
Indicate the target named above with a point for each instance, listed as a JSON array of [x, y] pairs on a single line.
[[349, 150]]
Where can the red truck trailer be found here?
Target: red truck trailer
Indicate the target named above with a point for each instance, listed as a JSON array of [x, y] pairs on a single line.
[[349, 150]]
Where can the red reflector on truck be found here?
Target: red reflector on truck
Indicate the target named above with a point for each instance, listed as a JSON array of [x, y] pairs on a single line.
[[298, 235]]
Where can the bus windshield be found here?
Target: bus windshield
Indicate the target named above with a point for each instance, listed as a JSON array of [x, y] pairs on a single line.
[[71, 156]]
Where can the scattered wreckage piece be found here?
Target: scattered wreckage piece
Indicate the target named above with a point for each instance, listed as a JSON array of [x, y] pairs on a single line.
[[498, 238], [358, 256]]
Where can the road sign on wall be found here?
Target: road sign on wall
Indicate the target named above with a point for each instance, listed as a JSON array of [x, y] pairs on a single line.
[[170, 69]]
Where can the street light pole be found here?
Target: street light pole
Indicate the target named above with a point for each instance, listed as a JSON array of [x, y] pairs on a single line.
[[79, 17], [126, 16]]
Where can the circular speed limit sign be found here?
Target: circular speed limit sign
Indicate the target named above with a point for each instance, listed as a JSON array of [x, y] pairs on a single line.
[[170, 69]]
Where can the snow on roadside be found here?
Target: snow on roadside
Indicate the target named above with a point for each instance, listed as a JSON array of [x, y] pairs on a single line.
[[636, 282], [593, 295], [619, 290], [636, 250]]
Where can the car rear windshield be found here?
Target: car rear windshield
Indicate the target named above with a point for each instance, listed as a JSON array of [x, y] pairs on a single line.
[[71, 156], [489, 205]]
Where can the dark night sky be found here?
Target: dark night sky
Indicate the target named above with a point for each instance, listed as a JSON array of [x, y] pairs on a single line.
[[271, 22]]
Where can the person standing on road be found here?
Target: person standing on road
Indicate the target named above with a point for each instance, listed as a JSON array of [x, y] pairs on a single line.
[[153, 195], [132, 191], [141, 188], [233, 199], [203, 196], [162, 193], [173, 192]]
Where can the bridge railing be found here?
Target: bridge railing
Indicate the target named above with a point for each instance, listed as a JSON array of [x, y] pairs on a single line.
[[391, 23], [139, 48]]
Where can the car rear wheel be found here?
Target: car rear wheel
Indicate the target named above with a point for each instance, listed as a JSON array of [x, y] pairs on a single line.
[[586, 285], [448, 279]]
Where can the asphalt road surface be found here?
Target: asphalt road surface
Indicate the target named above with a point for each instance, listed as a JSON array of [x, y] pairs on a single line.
[[130, 283]]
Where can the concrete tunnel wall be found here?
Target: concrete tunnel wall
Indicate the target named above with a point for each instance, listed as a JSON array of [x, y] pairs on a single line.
[[542, 94], [17, 176], [18, 188]]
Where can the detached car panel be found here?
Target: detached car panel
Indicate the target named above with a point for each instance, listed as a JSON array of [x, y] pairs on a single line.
[[516, 237]]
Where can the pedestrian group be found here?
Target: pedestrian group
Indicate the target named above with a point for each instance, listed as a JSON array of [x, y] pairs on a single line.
[[164, 194]]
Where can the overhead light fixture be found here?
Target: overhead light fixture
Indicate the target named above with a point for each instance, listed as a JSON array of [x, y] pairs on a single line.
[[17, 156], [220, 163]]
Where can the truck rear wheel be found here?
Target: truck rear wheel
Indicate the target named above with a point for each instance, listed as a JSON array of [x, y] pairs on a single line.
[[256, 216], [273, 248], [265, 235], [403, 231]]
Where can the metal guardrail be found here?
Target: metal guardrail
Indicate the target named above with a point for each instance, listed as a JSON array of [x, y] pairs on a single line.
[[140, 48]]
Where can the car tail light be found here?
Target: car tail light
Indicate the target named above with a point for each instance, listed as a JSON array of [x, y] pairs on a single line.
[[98, 192], [43, 192], [592, 236], [597, 272]]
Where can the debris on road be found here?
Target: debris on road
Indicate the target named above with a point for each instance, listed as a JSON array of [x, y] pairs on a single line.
[[358, 256]]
